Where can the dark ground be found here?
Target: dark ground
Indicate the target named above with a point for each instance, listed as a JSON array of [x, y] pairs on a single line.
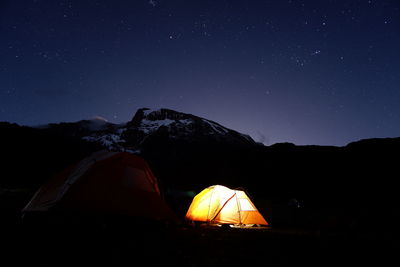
[[98, 241], [131, 243], [349, 212]]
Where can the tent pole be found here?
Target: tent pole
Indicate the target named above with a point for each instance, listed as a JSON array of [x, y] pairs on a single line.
[[209, 205], [223, 206], [238, 206]]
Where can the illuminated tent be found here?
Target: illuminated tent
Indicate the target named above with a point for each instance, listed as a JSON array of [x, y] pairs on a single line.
[[221, 205], [108, 183]]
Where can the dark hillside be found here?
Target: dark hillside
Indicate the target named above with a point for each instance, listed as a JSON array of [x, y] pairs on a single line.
[[323, 202], [29, 156]]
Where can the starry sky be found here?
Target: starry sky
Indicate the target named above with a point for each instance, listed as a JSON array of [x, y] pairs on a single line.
[[307, 72]]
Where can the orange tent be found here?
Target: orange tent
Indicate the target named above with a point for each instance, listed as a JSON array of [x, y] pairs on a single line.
[[219, 204], [116, 183]]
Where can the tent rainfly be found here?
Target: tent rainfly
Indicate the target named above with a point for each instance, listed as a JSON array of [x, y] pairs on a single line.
[[221, 205], [114, 183]]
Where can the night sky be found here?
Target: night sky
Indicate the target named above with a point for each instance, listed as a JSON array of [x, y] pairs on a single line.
[[307, 72]]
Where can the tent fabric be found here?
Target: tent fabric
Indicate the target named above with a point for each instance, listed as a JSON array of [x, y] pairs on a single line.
[[48, 196], [219, 204], [106, 182]]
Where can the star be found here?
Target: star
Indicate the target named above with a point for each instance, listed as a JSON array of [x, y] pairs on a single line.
[[316, 52]]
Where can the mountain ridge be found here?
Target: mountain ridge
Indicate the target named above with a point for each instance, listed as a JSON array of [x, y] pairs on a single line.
[[359, 178], [148, 124]]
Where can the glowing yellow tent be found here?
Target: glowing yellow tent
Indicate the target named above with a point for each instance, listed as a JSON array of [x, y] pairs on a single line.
[[219, 204]]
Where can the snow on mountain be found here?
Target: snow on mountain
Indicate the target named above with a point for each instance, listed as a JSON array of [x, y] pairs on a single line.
[[99, 118], [217, 128], [147, 111], [167, 123], [111, 141], [149, 126]]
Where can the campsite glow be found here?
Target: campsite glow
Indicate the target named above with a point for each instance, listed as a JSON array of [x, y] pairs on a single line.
[[219, 204]]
